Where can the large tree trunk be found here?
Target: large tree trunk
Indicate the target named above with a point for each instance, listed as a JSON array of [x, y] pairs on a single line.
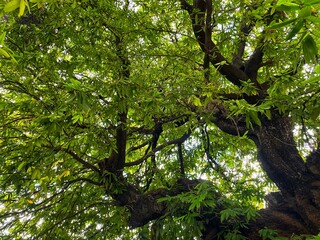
[[283, 164], [295, 209]]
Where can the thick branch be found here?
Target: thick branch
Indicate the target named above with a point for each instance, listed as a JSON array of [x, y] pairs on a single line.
[[254, 63], [231, 72], [115, 162], [121, 139], [145, 207], [245, 30], [234, 126]]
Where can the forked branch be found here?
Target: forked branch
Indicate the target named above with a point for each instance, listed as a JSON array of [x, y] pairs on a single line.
[[227, 69]]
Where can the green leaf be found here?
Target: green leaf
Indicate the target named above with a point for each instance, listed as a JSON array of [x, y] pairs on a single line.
[[197, 101], [2, 37], [22, 7], [255, 118], [21, 165], [11, 6], [4, 53], [36, 174], [313, 19], [309, 48], [304, 12], [77, 118], [268, 114], [311, 2], [315, 113], [282, 24], [295, 29], [287, 6], [313, 79]]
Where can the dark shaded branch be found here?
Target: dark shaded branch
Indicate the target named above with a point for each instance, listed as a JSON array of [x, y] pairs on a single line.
[[186, 6], [138, 147], [178, 120], [115, 162], [207, 148], [208, 34], [197, 12], [159, 148], [155, 137], [180, 158], [145, 207], [80, 160], [121, 141], [313, 161], [220, 116], [245, 29], [254, 63]]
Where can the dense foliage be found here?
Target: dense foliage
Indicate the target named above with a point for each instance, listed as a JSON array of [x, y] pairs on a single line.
[[106, 102]]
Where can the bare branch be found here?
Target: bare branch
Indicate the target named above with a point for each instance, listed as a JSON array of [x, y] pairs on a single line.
[[233, 126]]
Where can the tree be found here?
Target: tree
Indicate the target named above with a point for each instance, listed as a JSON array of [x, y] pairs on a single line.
[[148, 119]]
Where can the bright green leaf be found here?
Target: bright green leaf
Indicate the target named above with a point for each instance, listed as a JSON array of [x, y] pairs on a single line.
[[287, 6], [2, 37], [11, 6], [4, 53], [282, 24], [255, 118], [197, 102], [36, 174], [22, 7], [21, 165]]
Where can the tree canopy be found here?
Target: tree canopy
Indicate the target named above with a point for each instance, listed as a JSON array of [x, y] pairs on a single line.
[[136, 119]]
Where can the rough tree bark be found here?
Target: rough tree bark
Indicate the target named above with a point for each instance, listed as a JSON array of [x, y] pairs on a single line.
[[294, 209]]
